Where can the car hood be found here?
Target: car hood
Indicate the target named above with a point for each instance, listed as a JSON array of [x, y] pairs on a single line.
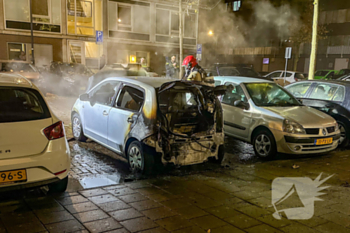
[[306, 116]]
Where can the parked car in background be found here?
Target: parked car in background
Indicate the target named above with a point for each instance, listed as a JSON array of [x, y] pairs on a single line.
[[264, 114], [33, 147], [22, 68], [232, 70], [325, 74], [330, 97], [64, 78], [341, 73], [284, 78], [152, 120]]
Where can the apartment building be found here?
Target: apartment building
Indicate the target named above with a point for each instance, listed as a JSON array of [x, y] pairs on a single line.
[[65, 30]]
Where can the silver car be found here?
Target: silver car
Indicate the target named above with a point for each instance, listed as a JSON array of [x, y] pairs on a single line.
[[264, 114], [151, 120]]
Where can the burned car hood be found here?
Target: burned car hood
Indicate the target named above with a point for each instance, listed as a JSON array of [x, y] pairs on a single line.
[[306, 116]]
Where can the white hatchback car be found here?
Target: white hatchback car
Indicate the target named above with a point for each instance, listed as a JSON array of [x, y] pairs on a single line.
[[33, 148]]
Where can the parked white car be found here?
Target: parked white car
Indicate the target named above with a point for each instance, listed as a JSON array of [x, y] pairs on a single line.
[[33, 147], [264, 114], [151, 120], [280, 75]]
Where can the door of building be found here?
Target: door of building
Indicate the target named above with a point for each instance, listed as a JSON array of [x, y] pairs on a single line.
[[43, 54], [341, 63], [307, 65], [76, 52]]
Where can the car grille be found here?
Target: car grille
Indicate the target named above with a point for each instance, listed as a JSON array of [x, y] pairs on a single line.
[[314, 147], [314, 131], [331, 129]]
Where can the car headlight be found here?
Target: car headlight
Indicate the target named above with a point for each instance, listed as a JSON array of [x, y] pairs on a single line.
[[336, 127], [293, 127]]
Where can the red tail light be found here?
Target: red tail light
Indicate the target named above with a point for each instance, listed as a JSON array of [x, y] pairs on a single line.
[[54, 131]]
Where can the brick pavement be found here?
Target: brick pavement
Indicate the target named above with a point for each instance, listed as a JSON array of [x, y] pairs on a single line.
[[222, 201]]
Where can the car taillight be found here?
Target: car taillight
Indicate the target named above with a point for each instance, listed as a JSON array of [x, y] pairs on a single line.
[[54, 131]]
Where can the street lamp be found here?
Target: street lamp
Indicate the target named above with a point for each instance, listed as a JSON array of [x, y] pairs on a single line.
[[210, 33]]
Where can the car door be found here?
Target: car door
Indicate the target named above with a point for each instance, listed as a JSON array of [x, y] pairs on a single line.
[[96, 111], [237, 120], [123, 115]]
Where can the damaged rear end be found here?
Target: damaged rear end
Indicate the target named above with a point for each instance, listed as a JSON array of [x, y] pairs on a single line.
[[189, 123]]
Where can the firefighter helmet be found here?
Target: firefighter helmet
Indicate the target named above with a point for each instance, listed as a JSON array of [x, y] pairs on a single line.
[[189, 61]]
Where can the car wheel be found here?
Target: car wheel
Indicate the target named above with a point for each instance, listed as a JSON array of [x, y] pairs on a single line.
[[139, 160], [221, 154], [59, 186], [264, 144], [344, 140], [77, 128]]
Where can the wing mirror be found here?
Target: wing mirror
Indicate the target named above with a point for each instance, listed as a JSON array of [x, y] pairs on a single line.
[[84, 97], [241, 104]]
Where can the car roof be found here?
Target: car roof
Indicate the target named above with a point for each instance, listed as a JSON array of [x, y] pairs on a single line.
[[239, 80], [150, 81], [14, 80], [339, 82]]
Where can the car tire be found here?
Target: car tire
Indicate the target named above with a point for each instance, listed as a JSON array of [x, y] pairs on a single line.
[[140, 160], [264, 144], [59, 186], [344, 139], [77, 128], [221, 154]]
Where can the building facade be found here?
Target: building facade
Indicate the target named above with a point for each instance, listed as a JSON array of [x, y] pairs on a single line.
[[65, 30]]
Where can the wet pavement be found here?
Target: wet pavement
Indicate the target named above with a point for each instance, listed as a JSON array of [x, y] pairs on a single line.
[[235, 196]]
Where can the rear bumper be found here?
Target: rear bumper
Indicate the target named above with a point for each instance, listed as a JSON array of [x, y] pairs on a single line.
[[188, 152], [41, 168]]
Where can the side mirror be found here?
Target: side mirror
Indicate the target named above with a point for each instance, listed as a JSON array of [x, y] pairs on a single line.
[[84, 97], [241, 104]]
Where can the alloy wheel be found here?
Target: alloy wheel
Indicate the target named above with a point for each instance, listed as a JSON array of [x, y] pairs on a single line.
[[76, 127], [342, 134], [135, 158], [263, 145]]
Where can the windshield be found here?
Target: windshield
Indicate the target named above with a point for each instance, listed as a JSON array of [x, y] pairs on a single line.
[[228, 71], [247, 72], [321, 73], [21, 104], [270, 94]]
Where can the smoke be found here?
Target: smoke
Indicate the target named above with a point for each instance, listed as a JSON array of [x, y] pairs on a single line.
[[258, 24]]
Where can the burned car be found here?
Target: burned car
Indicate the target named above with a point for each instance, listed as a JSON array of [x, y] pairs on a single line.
[[64, 78], [152, 120]]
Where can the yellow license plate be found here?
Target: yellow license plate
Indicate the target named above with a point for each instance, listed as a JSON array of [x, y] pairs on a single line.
[[13, 176], [324, 141]]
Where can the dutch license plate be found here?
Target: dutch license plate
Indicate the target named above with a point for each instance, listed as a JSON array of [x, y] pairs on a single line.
[[13, 176], [323, 141]]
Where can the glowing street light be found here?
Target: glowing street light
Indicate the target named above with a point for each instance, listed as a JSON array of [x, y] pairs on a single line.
[[119, 20], [210, 33]]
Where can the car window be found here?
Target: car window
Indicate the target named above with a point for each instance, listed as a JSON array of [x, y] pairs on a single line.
[[299, 76], [321, 73], [270, 94], [275, 75], [104, 93], [233, 93], [330, 75], [288, 74], [217, 82], [130, 98], [326, 91], [339, 94], [228, 71], [299, 90], [21, 104], [247, 72]]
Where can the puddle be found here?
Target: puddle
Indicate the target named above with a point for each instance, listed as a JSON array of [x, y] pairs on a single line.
[[99, 181]]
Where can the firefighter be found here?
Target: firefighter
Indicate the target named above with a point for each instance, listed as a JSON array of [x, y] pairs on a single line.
[[172, 68], [193, 72]]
